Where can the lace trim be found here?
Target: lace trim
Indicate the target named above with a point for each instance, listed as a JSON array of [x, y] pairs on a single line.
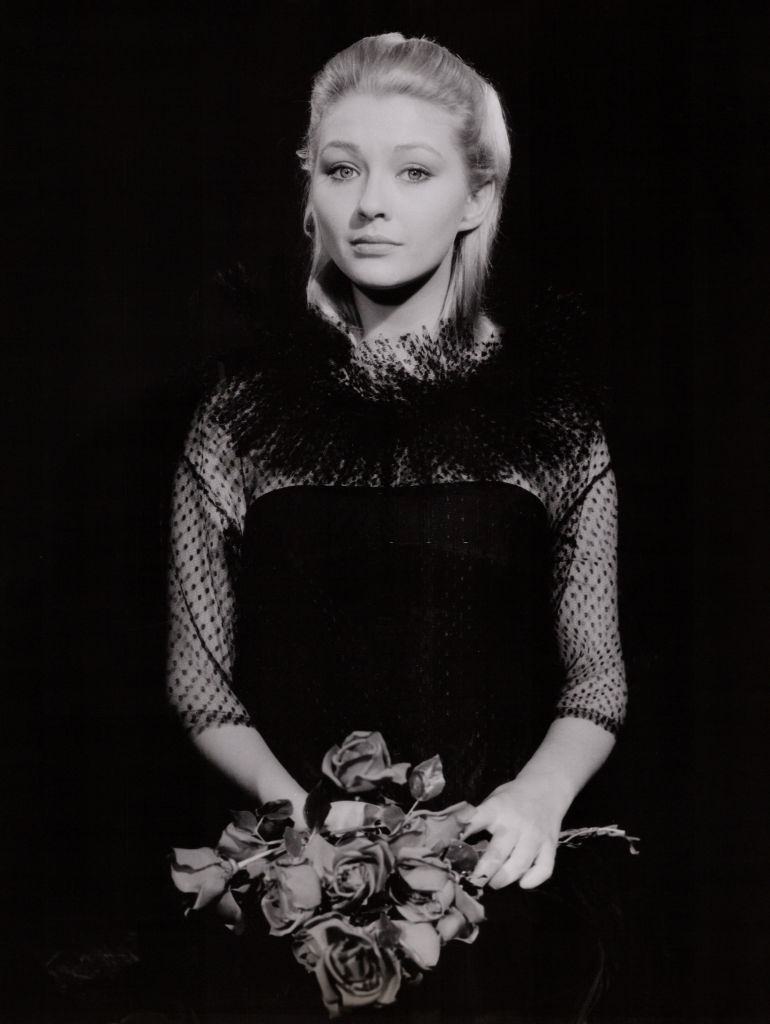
[[605, 721], [385, 368]]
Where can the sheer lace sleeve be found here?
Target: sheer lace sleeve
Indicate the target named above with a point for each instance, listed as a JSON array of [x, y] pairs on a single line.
[[586, 597], [208, 512]]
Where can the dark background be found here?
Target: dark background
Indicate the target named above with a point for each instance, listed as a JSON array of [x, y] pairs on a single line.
[[150, 148]]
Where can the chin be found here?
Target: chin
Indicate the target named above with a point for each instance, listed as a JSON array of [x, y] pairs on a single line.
[[381, 276]]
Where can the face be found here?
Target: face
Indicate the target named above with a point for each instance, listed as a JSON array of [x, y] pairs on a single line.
[[389, 189]]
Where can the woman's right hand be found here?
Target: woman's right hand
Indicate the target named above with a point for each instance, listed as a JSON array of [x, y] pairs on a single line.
[[242, 755]]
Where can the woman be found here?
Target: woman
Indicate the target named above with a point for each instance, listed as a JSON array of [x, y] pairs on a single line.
[[400, 517]]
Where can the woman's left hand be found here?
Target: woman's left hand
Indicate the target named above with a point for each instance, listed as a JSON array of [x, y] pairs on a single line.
[[523, 818]]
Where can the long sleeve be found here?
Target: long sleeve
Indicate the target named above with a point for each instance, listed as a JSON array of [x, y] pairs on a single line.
[[208, 512], [585, 591]]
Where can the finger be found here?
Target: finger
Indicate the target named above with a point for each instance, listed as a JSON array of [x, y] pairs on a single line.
[[519, 862], [542, 869], [495, 855], [480, 820]]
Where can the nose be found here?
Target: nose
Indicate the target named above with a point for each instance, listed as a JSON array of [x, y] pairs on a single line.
[[373, 200]]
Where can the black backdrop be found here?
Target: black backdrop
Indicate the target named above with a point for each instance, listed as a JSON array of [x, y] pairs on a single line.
[[153, 146]]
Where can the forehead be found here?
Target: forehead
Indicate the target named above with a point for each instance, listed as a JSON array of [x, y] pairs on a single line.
[[388, 121]]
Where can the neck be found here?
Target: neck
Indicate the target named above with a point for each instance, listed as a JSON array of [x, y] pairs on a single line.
[[405, 310]]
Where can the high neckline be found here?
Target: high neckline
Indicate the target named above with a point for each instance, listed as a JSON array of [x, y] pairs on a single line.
[[379, 367]]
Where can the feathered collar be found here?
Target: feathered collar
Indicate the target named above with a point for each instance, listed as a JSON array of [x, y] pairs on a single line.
[[313, 402]]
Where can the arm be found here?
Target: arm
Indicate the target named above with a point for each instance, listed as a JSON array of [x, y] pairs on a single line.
[[208, 513], [240, 753], [524, 815]]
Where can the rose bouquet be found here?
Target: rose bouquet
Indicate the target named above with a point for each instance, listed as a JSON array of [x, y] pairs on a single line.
[[369, 892]]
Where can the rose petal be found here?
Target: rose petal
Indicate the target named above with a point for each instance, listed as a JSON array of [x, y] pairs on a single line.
[[195, 859], [301, 884], [421, 942], [450, 924], [232, 913], [423, 877], [347, 815], [321, 854], [213, 886], [469, 907], [426, 781]]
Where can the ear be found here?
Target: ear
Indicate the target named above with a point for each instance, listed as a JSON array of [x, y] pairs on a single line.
[[476, 206]]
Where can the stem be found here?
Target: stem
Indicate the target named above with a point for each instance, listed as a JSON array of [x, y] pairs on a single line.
[[239, 864], [573, 836]]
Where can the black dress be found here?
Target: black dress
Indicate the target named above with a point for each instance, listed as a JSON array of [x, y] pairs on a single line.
[[421, 541]]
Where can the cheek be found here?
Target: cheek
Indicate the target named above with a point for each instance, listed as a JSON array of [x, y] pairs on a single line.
[[437, 221], [330, 217]]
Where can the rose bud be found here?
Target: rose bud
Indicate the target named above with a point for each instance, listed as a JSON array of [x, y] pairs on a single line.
[[361, 763]]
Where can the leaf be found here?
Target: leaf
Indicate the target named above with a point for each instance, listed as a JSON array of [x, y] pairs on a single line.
[[427, 780], [391, 817], [246, 820], [317, 806], [277, 810], [238, 843], [293, 842], [462, 856]]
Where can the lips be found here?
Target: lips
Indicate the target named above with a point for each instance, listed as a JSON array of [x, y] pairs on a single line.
[[373, 240]]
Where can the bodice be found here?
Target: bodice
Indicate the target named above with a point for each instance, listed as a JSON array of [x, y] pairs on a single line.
[[421, 612]]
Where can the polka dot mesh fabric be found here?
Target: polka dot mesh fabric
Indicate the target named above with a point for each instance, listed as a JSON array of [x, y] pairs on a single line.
[[424, 410]]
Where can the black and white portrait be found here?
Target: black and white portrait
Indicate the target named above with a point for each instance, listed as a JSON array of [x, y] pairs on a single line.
[[385, 513]]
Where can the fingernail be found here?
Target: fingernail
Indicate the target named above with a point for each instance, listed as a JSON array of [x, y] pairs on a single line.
[[479, 879]]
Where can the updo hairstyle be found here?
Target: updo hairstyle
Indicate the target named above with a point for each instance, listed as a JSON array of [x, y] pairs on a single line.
[[389, 64]]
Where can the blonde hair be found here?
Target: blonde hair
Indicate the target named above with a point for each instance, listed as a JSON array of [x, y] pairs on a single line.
[[391, 64]]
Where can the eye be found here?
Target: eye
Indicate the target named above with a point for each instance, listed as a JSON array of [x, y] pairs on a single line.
[[416, 174], [339, 172]]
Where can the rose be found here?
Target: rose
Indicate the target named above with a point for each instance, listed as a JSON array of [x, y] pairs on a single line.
[[360, 869], [462, 919], [293, 892], [420, 942], [202, 872], [207, 875], [352, 968], [361, 763], [427, 781], [423, 887], [433, 830]]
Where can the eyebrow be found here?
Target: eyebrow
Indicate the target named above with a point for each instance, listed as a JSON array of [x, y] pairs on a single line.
[[340, 144]]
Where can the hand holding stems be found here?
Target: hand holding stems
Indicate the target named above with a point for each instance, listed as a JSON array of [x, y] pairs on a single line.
[[523, 816], [243, 756]]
